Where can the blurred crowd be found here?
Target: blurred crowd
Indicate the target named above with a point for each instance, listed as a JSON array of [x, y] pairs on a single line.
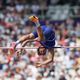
[[49, 9], [14, 24]]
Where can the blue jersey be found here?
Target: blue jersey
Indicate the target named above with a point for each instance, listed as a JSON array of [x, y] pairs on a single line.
[[49, 35]]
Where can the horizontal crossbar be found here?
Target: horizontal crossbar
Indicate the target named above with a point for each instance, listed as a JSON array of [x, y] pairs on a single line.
[[37, 47]]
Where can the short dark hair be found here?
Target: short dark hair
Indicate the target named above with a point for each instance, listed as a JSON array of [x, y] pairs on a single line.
[[38, 50]]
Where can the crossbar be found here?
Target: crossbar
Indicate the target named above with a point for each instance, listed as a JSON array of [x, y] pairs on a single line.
[[37, 47]]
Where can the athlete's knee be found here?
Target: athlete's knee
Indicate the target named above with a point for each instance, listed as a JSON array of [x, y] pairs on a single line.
[[31, 36]]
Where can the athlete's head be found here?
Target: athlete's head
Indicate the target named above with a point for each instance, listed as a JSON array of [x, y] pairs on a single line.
[[41, 50]]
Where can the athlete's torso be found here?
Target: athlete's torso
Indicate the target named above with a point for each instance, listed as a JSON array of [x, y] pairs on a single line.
[[49, 35]]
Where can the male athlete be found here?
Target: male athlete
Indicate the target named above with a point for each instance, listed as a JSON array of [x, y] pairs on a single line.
[[45, 36]]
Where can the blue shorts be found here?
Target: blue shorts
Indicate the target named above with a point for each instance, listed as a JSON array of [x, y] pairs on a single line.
[[49, 35]]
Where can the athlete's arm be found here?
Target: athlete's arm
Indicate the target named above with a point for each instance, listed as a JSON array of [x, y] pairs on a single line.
[[39, 30], [49, 58]]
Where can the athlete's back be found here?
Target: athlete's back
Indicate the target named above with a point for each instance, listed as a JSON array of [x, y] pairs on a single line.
[[49, 36]]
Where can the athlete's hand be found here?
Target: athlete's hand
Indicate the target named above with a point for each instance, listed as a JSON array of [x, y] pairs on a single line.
[[34, 19], [38, 64]]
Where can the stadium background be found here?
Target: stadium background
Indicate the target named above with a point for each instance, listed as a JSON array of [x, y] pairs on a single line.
[[63, 16]]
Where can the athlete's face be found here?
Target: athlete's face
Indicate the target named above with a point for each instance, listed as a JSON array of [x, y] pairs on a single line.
[[41, 50]]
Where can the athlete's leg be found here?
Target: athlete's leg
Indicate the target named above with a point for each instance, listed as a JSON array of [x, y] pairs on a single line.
[[39, 29], [27, 37], [40, 34], [23, 40]]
